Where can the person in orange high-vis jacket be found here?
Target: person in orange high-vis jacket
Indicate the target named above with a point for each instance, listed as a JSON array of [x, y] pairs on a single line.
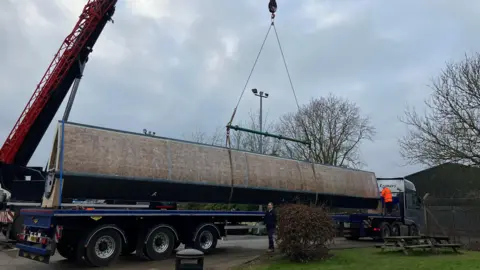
[[387, 198]]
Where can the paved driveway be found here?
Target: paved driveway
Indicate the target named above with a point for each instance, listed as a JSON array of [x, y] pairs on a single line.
[[234, 251]]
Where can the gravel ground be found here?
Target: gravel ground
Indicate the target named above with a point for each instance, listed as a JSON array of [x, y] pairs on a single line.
[[232, 252]]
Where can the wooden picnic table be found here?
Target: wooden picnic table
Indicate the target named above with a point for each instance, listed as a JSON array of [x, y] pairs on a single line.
[[406, 243]]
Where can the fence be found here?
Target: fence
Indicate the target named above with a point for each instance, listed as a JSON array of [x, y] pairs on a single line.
[[457, 218]]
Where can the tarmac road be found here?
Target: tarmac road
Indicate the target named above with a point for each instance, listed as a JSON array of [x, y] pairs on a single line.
[[232, 252]]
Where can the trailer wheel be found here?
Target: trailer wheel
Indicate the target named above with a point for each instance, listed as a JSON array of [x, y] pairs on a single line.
[[129, 248], [352, 238], [385, 230], [67, 250], [80, 251], [396, 230], [160, 244], [413, 230], [17, 226], [131, 243], [206, 239], [104, 247]]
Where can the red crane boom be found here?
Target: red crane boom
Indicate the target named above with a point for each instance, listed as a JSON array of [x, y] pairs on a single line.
[[54, 85]]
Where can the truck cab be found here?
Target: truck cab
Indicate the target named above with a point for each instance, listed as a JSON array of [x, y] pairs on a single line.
[[407, 217], [408, 205]]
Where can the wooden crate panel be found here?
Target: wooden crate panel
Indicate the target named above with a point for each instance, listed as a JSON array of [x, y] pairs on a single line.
[[259, 172], [101, 151], [240, 168], [324, 179], [97, 151]]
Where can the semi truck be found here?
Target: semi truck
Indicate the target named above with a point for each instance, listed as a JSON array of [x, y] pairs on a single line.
[[98, 236], [24, 185], [406, 219]]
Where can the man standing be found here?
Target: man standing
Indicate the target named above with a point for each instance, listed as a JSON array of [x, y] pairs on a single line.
[[387, 198], [270, 221]]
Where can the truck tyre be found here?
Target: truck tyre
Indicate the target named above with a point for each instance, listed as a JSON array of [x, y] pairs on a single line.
[[67, 250], [352, 237], [16, 226], [128, 248], [206, 239], [413, 230], [160, 244], [131, 244], [104, 247], [396, 229], [385, 230], [80, 256]]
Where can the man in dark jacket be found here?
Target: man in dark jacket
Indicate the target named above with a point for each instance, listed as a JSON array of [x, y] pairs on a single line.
[[270, 221]]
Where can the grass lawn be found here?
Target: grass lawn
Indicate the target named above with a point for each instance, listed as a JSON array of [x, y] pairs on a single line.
[[374, 259]]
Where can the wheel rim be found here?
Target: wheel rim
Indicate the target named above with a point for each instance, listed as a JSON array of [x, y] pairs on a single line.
[[206, 240], [104, 247], [160, 242]]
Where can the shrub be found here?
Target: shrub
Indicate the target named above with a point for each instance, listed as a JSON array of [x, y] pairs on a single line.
[[304, 232]]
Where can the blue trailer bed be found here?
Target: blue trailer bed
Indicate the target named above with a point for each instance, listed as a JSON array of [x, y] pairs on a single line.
[[77, 233], [134, 212]]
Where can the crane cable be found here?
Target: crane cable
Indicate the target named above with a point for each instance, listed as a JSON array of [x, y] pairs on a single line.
[[246, 84], [304, 127], [310, 151], [272, 8]]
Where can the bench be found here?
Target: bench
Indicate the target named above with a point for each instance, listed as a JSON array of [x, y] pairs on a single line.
[[405, 243]]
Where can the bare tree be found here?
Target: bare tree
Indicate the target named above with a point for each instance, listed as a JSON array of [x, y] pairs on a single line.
[[334, 127], [239, 139], [202, 137], [450, 129]]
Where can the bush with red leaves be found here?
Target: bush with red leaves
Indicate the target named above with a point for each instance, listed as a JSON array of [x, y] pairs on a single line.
[[304, 232]]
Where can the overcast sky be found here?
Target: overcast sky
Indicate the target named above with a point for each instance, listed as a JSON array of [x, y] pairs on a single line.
[[179, 66]]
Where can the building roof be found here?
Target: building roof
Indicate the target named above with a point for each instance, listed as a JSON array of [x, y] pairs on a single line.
[[447, 180], [446, 165]]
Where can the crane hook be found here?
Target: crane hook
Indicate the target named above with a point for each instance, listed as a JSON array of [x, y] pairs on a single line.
[[272, 7]]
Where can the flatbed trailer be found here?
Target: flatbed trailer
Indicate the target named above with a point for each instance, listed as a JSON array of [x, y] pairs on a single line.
[[98, 237]]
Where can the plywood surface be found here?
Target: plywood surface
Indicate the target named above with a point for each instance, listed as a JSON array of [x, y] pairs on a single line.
[[106, 152]]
